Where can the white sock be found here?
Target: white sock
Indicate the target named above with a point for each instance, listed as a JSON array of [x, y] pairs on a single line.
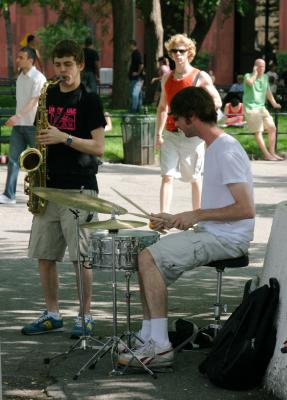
[[145, 330], [54, 314], [159, 331]]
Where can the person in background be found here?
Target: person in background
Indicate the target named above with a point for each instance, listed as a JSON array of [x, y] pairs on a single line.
[[234, 113], [163, 69], [212, 76], [136, 77], [237, 87], [28, 88], [272, 84], [180, 157], [109, 125], [273, 72], [91, 73], [256, 91], [73, 140], [31, 42], [236, 90]]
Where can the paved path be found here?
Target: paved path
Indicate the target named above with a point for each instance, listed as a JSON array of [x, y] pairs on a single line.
[[24, 374]]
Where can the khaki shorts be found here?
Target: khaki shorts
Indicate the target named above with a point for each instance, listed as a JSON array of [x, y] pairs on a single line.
[[181, 157], [56, 230], [184, 251], [259, 120]]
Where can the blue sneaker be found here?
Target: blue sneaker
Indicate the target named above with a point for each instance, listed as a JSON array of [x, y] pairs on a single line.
[[77, 330], [43, 324]]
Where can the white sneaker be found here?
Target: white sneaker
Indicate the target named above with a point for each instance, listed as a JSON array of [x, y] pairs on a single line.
[[6, 200], [136, 343], [150, 354]]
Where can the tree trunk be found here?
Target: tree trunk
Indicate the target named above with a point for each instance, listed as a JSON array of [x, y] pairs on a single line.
[[122, 34], [6, 14], [203, 24], [153, 41]]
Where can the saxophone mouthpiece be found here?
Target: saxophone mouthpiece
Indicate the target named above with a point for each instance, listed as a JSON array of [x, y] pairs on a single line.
[[60, 78]]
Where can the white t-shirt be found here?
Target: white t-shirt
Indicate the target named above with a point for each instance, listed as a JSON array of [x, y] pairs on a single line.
[[28, 85], [225, 162]]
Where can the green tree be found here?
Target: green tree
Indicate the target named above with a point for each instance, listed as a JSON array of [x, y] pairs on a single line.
[[153, 41], [170, 15], [122, 33], [74, 21], [53, 33], [194, 17], [5, 13]]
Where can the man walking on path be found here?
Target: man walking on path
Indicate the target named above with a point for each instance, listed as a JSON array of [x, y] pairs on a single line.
[[180, 157], [90, 74], [256, 90], [136, 77], [28, 88]]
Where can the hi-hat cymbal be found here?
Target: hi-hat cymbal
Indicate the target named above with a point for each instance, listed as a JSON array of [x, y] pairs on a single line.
[[113, 224], [78, 200]]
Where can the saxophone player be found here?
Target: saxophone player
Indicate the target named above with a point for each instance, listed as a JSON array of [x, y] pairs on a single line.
[[75, 135]]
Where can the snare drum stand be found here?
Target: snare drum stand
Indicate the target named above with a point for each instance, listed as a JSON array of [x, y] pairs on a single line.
[[113, 342], [83, 342], [129, 333]]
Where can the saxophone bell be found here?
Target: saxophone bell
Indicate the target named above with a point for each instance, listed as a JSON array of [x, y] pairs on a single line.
[[30, 159]]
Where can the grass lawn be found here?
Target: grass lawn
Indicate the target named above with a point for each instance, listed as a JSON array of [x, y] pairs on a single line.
[[114, 142], [114, 146]]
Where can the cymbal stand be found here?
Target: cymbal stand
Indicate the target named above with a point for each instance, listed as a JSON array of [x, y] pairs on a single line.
[[83, 342], [113, 342], [129, 333]]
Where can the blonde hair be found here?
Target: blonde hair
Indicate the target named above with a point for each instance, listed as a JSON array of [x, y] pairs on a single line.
[[181, 38]]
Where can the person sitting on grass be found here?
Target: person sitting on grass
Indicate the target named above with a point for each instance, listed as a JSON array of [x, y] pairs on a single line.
[[234, 113]]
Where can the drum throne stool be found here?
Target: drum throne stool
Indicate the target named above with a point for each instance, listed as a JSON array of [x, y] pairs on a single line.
[[213, 328], [220, 265]]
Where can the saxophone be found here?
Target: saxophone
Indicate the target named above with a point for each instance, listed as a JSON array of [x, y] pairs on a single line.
[[33, 160]]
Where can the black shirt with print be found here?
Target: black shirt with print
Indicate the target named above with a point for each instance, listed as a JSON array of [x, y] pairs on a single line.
[[77, 113]]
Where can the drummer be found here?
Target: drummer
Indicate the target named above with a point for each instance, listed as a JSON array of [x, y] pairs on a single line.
[[222, 227], [74, 138]]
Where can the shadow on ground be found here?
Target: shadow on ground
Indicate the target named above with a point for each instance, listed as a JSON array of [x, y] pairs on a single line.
[[26, 376]]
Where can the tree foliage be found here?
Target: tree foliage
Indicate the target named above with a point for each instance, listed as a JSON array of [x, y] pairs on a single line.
[[74, 21], [5, 13], [202, 15], [53, 33], [75, 17]]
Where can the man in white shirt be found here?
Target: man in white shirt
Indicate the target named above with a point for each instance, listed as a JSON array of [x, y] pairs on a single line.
[[222, 228], [28, 88]]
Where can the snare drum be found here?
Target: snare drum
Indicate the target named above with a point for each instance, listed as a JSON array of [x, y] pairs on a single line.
[[128, 244]]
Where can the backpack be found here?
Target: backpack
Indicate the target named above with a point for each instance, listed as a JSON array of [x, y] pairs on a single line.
[[244, 346]]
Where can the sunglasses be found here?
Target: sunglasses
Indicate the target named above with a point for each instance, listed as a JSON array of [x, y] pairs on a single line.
[[181, 51]]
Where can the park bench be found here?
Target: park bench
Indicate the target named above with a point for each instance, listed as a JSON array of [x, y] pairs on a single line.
[[7, 87]]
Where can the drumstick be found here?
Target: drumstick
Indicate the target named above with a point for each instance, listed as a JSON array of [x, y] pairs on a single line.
[[139, 215], [147, 215], [132, 202]]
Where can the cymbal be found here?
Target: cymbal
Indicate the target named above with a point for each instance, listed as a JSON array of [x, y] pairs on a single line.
[[113, 224], [78, 200]]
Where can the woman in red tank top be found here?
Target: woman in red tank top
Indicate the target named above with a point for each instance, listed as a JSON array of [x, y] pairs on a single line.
[[234, 113]]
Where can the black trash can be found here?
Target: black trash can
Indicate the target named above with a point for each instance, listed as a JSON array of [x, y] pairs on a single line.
[[138, 139]]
